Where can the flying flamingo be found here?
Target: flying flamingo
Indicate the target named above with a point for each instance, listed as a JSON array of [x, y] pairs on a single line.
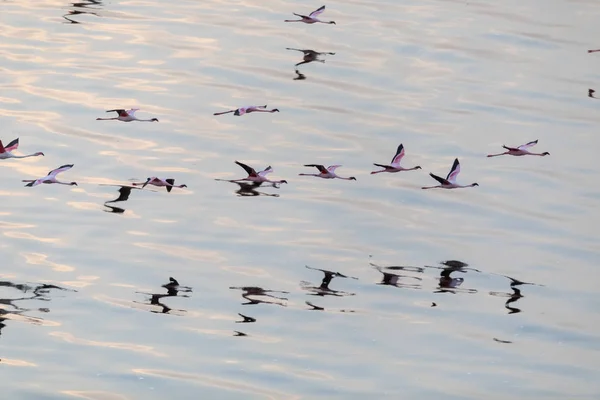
[[247, 110], [593, 51], [395, 164], [312, 17], [126, 116], [51, 177], [169, 183], [450, 181], [326, 173], [6, 152], [254, 176], [520, 151]]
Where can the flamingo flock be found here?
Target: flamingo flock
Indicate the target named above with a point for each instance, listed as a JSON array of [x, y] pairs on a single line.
[[257, 178]]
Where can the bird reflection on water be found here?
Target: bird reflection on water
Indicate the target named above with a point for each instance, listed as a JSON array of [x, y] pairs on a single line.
[[82, 7], [449, 284], [124, 193], [173, 289], [38, 292], [248, 189], [308, 57], [323, 289], [256, 295], [512, 297], [392, 279]]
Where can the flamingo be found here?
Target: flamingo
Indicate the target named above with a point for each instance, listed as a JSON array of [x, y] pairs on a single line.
[[254, 176], [6, 151], [169, 183], [51, 177], [326, 173], [593, 51], [312, 17], [126, 116], [450, 181], [395, 164], [310, 56], [247, 110], [520, 151]]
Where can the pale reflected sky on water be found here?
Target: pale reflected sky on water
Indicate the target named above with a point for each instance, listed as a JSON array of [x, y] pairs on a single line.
[[445, 78]]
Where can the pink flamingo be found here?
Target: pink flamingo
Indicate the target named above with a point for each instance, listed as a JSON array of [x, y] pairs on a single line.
[[169, 183], [311, 18], [326, 173], [6, 151], [520, 151], [247, 110], [126, 116], [258, 177], [450, 181], [51, 177], [395, 164]]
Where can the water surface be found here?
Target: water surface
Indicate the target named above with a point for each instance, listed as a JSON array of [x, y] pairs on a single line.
[[489, 292]]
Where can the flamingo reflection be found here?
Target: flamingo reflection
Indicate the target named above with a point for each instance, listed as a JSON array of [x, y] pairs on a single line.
[[392, 279], [300, 76], [124, 193], [173, 288], [38, 292], [591, 93], [248, 189], [251, 293], [310, 56], [449, 284], [512, 297], [82, 7], [323, 289]]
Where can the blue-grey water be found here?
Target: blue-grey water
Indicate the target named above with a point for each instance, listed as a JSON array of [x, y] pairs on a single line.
[[487, 292]]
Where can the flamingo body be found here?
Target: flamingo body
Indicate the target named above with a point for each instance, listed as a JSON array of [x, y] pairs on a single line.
[[168, 183], [126, 116], [450, 181], [327, 173], [395, 164]]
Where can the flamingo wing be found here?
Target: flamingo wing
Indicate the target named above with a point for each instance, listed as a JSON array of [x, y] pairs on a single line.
[[399, 155], [453, 172], [320, 167], [60, 169], [317, 12], [527, 145], [12, 145], [132, 111], [2, 149], [332, 168], [439, 179], [35, 183], [266, 171], [251, 171]]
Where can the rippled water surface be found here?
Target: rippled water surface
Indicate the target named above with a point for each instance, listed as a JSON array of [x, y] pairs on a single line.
[[318, 289]]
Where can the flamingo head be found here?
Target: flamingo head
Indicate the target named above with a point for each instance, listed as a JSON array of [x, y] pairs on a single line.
[[182, 186], [418, 167], [474, 184], [98, 119], [332, 22], [275, 110], [545, 153], [39, 153], [154, 120], [283, 181], [73, 183], [352, 178]]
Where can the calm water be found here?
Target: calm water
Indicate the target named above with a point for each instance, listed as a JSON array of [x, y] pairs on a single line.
[[490, 292]]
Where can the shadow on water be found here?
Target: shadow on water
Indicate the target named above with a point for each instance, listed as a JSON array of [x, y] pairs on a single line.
[[82, 7], [248, 189], [257, 295], [38, 292], [173, 289], [323, 289]]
